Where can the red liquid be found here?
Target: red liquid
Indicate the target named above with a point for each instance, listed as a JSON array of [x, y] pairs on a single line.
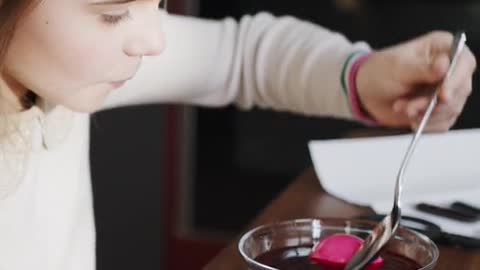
[[296, 258]]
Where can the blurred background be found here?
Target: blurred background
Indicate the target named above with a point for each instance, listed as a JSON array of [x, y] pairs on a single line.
[[179, 182]]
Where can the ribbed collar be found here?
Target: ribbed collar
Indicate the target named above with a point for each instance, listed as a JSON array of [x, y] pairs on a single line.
[[43, 127]]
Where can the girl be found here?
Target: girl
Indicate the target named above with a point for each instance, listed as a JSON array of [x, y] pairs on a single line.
[[61, 59]]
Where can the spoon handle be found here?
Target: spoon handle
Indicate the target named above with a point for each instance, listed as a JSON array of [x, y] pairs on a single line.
[[458, 45]]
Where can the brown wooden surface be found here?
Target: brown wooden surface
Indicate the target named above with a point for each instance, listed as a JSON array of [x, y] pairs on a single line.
[[304, 198]]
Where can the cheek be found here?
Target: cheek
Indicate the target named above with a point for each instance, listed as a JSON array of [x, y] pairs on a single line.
[[85, 62], [71, 73], [77, 48], [54, 57]]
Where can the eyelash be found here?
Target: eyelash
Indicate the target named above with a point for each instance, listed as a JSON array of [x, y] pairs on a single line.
[[115, 19]]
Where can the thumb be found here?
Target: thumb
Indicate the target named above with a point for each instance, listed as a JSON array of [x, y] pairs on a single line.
[[425, 60], [425, 69]]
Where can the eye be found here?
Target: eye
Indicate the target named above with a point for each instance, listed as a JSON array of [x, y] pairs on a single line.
[[115, 18]]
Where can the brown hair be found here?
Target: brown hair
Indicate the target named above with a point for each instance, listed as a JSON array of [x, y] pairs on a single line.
[[11, 13]]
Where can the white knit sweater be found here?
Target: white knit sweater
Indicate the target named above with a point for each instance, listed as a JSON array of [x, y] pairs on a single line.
[[46, 213]]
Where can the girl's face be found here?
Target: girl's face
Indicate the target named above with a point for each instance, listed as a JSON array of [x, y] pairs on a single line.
[[74, 52]]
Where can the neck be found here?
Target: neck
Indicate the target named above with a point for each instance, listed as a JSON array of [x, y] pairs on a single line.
[[12, 95]]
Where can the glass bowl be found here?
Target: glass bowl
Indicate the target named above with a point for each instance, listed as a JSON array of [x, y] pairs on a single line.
[[308, 232]]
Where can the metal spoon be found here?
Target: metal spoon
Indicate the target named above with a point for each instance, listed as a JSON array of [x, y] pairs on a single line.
[[388, 226]]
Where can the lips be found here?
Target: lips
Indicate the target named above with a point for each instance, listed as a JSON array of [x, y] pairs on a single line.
[[118, 84]]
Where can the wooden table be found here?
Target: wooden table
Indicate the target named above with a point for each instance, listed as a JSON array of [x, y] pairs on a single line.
[[305, 198]]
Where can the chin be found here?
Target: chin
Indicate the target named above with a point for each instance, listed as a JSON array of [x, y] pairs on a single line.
[[88, 106], [87, 102], [83, 108]]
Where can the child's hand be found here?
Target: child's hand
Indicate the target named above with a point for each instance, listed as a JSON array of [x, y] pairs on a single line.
[[395, 84]]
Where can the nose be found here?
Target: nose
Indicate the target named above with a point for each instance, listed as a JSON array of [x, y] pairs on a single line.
[[148, 39]]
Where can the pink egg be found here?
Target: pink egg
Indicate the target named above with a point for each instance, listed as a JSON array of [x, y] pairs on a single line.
[[334, 252]]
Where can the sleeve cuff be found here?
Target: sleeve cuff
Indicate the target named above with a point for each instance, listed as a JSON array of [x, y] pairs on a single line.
[[349, 86]]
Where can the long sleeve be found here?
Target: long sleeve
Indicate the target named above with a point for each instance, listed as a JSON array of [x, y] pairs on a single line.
[[280, 63]]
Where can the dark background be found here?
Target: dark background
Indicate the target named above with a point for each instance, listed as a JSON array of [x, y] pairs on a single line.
[[265, 149], [242, 159]]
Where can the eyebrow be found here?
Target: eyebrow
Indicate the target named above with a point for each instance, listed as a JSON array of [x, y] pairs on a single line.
[[112, 2]]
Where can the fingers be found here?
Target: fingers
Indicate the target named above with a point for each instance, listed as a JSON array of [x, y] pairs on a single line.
[[462, 73], [416, 69], [418, 64], [435, 53], [433, 58], [411, 108], [439, 42], [435, 123], [443, 116], [453, 91], [438, 68]]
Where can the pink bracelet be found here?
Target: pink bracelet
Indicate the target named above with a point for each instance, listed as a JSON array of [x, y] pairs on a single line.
[[356, 106]]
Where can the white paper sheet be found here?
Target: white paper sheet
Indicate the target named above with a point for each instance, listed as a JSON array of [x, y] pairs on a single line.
[[444, 168]]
